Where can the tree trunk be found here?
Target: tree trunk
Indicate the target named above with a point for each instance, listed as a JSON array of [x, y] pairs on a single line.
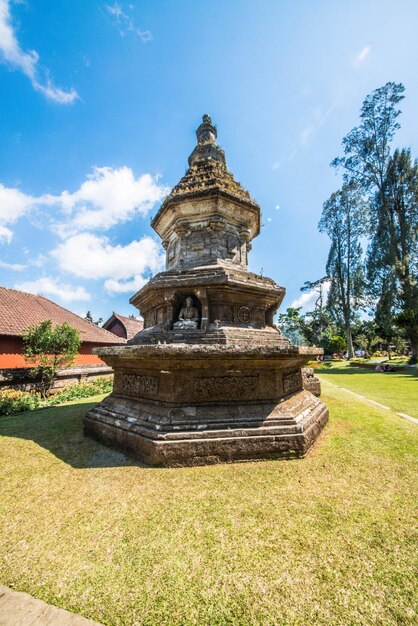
[[414, 349], [350, 349]]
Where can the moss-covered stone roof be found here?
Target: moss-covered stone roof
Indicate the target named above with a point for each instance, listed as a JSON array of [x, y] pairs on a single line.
[[209, 176]]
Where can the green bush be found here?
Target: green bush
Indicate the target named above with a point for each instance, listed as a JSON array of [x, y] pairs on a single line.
[[50, 348], [336, 344], [82, 390], [13, 401]]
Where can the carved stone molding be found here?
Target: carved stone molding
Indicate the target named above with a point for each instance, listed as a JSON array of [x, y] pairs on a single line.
[[292, 382], [181, 228], [225, 387], [244, 314], [139, 384], [217, 224], [245, 234]]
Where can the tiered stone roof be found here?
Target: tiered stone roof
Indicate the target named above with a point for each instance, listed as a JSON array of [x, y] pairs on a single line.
[[209, 176], [207, 171]]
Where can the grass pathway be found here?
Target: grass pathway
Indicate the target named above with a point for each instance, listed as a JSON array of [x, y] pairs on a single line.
[[381, 406], [397, 390]]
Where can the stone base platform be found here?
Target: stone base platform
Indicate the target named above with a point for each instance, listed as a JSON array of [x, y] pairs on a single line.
[[210, 435], [184, 405]]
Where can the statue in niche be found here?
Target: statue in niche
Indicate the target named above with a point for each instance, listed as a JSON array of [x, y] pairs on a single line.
[[188, 316]]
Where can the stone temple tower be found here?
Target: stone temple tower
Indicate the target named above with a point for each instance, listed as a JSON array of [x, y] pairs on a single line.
[[210, 378]]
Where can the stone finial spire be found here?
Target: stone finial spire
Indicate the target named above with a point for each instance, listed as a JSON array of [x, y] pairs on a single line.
[[206, 133], [207, 149]]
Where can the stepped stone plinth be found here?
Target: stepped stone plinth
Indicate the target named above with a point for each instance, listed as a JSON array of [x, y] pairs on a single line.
[[210, 378]]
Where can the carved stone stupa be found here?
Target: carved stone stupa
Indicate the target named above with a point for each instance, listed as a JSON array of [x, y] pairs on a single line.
[[210, 378]]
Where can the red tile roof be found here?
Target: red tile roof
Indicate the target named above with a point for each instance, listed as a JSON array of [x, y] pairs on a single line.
[[19, 310], [132, 325]]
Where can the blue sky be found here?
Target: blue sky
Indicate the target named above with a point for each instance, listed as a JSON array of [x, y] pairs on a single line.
[[99, 102]]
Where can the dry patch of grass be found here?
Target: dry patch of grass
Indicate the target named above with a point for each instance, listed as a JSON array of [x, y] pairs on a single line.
[[324, 540]]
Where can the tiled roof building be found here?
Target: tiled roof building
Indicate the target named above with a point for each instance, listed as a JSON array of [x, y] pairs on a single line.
[[122, 326], [19, 310]]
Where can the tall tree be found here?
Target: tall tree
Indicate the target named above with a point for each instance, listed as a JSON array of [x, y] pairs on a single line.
[[344, 220], [390, 182], [318, 320], [367, 146], [393, 252]]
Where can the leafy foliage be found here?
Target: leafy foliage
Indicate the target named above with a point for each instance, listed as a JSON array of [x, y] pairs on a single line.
[[290, 324], [336, 344], [389, 183], [344, 220], [50, 348], [13, 401], [101, 385], [393, 252], [367, 146]]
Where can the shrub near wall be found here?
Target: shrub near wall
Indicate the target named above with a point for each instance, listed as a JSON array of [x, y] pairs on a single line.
[[12, 402], [82, 390]]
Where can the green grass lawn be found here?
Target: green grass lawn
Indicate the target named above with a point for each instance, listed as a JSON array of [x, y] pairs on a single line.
[[398, 390], [326, 540]]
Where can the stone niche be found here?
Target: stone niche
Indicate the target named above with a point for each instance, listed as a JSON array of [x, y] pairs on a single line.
[[210, 378]]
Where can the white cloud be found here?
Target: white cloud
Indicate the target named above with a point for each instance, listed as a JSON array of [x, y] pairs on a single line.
[[107, 197], [319, 117], [118, 286], [123, 267], [12, 54], [6, 235], [125, 23], [39, 261], [316, 120], [361, 56], [14, 267], [49, 286], [284, 159], [307, 299], [13, 204]]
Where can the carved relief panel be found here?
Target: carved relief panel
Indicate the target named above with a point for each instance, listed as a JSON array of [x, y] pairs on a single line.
[[236, 388], [136, 385], [292, 382]]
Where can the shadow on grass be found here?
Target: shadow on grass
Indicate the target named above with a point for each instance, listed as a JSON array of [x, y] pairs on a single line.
[[59, 429]]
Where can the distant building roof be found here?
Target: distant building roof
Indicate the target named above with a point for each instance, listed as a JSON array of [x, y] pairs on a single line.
[[19, 310], [131, 325]]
